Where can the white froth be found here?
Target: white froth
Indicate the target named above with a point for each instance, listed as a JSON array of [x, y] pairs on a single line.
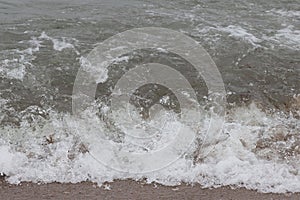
[[15, 67], [288, 36], [241, 33], [286, 13], [232, 161], [99, 73], [59, 45]]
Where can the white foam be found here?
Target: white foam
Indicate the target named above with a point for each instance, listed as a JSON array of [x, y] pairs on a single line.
[[239, 32], [288, 37], [15, 67], [99, 72], [59, 45], [233, 160], [286, 13]]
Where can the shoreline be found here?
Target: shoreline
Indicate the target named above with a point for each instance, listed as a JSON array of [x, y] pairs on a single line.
[[128, 189]]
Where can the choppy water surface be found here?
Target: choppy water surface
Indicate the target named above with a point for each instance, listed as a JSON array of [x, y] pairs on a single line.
[[254, 45]]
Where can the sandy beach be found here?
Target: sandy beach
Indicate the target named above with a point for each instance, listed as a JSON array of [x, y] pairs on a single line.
[[127, 190]]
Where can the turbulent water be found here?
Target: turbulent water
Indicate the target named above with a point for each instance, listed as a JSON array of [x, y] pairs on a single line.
[[254, 45]]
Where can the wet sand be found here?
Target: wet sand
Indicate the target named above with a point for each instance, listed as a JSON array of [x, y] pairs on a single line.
[[127, 190]]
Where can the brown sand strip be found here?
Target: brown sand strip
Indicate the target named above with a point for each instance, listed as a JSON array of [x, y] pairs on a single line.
[[127, 190]]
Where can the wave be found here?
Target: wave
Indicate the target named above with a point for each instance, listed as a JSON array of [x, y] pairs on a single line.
[[256, 149]]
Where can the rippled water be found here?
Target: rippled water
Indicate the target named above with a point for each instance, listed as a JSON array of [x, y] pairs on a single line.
[[254, 45]]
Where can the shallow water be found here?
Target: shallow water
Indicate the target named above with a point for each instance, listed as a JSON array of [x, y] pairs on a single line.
[[254, 45]]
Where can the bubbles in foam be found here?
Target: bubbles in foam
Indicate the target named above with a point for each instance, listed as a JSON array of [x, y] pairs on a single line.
[[50, 151]]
